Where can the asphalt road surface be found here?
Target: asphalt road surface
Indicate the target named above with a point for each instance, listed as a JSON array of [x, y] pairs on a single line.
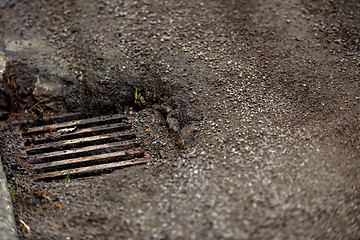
[[249, 108]]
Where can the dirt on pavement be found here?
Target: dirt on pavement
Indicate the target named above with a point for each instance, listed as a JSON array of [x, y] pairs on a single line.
[[253, 105]]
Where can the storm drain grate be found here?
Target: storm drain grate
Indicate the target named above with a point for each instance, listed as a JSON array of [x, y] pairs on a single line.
[[83, 147]]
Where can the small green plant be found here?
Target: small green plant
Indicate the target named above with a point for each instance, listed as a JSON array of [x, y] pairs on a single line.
[[137, 97], [68, 174], [13, 192]]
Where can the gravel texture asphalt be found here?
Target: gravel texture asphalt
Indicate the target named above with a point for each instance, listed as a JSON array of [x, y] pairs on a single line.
[[250, 109]]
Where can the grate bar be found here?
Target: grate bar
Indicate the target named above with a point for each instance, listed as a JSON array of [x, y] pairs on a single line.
[[35, 120], [56, 136], [42, 148], [82, 122], [78, 151], [90, 159], [91, 169]]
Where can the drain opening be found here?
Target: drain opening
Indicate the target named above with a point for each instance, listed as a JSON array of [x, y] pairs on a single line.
[[83, 147], [3, 114]]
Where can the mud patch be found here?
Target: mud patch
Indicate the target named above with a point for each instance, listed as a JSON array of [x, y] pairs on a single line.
[[17, 87]]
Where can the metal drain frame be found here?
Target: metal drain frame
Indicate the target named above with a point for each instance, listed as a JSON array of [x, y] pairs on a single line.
[[82, 147]]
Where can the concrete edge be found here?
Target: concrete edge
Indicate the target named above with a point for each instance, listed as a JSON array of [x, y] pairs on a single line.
[[8, 230]]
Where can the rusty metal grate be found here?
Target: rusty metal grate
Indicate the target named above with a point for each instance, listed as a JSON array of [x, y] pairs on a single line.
[[83, 147]]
